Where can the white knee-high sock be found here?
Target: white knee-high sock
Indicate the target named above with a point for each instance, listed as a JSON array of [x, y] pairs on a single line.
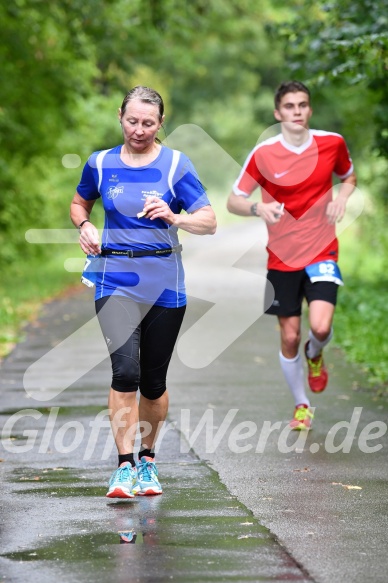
[[315, 346], [294, 374]]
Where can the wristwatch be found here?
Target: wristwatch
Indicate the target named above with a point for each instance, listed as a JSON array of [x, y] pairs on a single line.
[[254, 209]]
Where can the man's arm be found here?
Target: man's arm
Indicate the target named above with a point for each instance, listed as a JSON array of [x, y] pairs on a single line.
[[239, 205], [244, 207], [336, 209]]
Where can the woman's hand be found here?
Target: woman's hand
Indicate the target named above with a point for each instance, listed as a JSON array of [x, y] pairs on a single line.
[[80, 210], [89, 239], [157, 208], [200, 222]]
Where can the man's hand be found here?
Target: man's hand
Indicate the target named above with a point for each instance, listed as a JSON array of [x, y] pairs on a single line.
[[271, 212], [336, 209]]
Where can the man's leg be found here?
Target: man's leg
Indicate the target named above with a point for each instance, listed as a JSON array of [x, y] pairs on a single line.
[[288, 297], [321, 315], [321, 318], [290, 360]]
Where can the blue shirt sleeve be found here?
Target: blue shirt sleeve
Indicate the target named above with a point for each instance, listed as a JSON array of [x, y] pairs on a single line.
[[189, 190], [87, 188]]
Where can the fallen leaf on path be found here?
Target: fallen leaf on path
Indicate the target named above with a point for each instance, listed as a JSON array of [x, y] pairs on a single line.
[[347, 486]]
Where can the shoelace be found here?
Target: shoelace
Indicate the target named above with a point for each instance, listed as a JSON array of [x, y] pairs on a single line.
[[315, 365], [123, 474], [146, 470], [302, 413]]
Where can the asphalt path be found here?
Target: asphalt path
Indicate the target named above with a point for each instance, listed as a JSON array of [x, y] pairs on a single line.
[[244, 499], [322, 494]]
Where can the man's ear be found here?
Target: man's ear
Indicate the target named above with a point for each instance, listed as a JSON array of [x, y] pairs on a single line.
[[277, 115]]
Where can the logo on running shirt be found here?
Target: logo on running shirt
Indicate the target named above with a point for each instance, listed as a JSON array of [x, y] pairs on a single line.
[[114, 191], [146, 193], [281, 174]]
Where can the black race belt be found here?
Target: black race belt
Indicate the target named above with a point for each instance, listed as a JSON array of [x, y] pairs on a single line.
[[140, 253]]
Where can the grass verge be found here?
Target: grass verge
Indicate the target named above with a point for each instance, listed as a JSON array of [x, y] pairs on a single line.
[[24, 288], [361, 328]]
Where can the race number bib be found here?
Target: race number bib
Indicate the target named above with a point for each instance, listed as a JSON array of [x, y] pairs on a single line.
[[324, 271], [91, 269]]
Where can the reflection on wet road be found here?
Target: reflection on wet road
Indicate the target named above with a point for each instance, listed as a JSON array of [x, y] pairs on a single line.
[[196, 531], [56, 524]]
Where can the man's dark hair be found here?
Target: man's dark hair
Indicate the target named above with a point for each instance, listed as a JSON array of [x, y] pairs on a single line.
[[289, 87]]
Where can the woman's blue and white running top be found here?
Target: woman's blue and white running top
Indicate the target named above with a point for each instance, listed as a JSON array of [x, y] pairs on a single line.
[[171, 176]]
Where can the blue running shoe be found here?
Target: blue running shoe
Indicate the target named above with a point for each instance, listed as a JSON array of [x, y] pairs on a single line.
[[147, 478], [128, 537], [122, 481]]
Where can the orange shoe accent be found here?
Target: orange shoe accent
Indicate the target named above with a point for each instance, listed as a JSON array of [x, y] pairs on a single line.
[[119, 493]]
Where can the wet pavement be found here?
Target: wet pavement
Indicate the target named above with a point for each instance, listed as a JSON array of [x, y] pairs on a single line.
[[244, 500]]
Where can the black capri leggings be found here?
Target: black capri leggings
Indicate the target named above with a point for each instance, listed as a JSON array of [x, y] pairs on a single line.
[[140, 340]]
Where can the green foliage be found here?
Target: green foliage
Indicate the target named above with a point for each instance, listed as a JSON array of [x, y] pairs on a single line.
[[67, 65], [37, 89], [344, 44], [345, 39], [361, 327], [22, 293]]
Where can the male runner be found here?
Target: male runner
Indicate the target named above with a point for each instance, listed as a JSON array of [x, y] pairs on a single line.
[[295, 173]]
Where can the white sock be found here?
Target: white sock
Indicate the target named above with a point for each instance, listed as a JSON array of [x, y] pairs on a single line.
[[315, 346], [294, 374]]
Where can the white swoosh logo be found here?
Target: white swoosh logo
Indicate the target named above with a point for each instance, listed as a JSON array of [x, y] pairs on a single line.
[[279, 175]]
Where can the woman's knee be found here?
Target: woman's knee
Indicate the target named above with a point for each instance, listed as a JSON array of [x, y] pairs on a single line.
[[153, 391], [125, 374]]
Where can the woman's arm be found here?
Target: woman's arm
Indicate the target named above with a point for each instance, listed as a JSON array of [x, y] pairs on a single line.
[[200, 222], [80, 210]]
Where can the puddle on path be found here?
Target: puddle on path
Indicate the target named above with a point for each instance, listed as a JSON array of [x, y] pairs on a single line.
[[195, 531]]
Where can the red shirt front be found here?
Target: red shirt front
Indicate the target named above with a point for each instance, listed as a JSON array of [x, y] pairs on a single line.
[[302, 179]]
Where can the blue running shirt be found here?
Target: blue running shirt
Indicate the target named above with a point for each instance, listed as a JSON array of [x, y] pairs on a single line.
[[124, 189]]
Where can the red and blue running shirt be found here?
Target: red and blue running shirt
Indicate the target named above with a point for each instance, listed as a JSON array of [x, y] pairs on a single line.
[[123, 189], [302, 179]]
